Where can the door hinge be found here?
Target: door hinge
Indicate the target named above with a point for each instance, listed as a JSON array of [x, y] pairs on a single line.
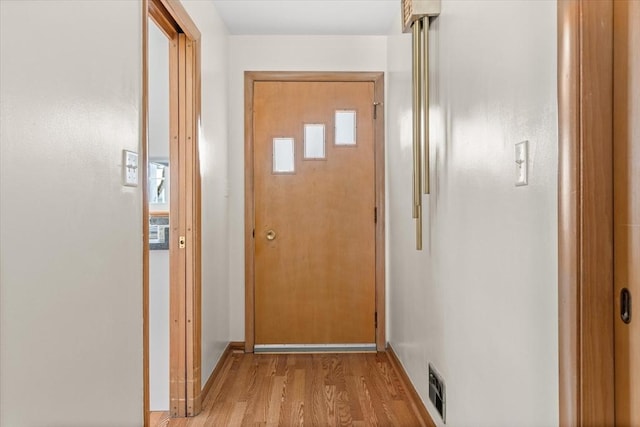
[[375, 319], [375, 109], [375, 215]]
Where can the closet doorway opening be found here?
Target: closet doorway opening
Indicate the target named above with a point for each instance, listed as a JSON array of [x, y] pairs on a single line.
[[171, 211]]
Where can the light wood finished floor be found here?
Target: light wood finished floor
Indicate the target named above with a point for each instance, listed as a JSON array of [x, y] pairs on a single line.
[[305, 389]]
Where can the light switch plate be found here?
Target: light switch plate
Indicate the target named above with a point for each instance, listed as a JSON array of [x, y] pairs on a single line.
[[522, 163], [130, 168]]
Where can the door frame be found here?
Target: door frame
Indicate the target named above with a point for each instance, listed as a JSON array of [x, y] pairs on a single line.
[[377, 78], [585, 213], [185, 264]]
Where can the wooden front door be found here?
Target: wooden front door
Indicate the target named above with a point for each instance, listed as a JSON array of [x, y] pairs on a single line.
[[315, 230], [626, 189]]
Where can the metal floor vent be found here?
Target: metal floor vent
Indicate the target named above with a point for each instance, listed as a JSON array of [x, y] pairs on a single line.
[[437, 392]]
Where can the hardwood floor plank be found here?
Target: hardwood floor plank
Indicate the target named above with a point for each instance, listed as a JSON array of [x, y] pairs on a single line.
[[236, 383], [402, 413], [330, 404], [237, 414], [257, 410], [314, 394], [354, 399], [251, 385], [275, 402], [159, 419], [290, 407], [178, 422], [371, 404], [221, 416], [304, 390], [343, 408], [281, 364], [227, 372], [385, 378]]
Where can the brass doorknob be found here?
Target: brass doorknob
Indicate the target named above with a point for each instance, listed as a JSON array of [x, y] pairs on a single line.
[[271, 235]]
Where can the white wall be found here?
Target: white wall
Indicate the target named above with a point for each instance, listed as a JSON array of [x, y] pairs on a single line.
[[70, 246], [480, 301], [158, 259], [213, 167], [158, 93], [278, 53], [159, 330], [71, 101]]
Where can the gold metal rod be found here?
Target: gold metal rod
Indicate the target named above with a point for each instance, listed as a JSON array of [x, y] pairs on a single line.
[[424, 65], [419, 229], [417, 175]]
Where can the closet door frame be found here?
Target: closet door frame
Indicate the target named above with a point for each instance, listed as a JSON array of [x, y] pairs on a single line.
[[185, 214]]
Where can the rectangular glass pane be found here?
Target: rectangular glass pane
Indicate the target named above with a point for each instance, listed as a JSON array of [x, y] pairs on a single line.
[[158, 183], [314, 141], [283, 155], [345, 127]]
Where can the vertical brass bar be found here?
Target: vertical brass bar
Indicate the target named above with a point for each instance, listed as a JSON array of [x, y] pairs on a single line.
[[417, 49], [424, 65], [419, 229], [418, 103]]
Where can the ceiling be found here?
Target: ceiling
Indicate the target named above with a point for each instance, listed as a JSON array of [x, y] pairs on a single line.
[[309, 17]]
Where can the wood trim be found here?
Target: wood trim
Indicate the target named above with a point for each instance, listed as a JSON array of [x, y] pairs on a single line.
[[232, 347], [250, 77], [181, 18], [304, 76], [163, 19], [381, 341], [193, 292], [197, 187], [191, 342], [144, 156], [185, 215], [249, 217], [158, 213], [585, 209], [416, 402], [176, 343], [626, 96]]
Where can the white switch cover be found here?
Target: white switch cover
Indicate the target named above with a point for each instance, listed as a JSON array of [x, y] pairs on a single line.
[[130, 168], [522, 162]]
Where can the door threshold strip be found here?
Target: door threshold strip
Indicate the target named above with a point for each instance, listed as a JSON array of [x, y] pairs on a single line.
[[315, 348]]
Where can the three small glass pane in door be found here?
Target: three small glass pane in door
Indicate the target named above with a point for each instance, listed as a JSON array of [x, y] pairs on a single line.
[[314, 142]]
